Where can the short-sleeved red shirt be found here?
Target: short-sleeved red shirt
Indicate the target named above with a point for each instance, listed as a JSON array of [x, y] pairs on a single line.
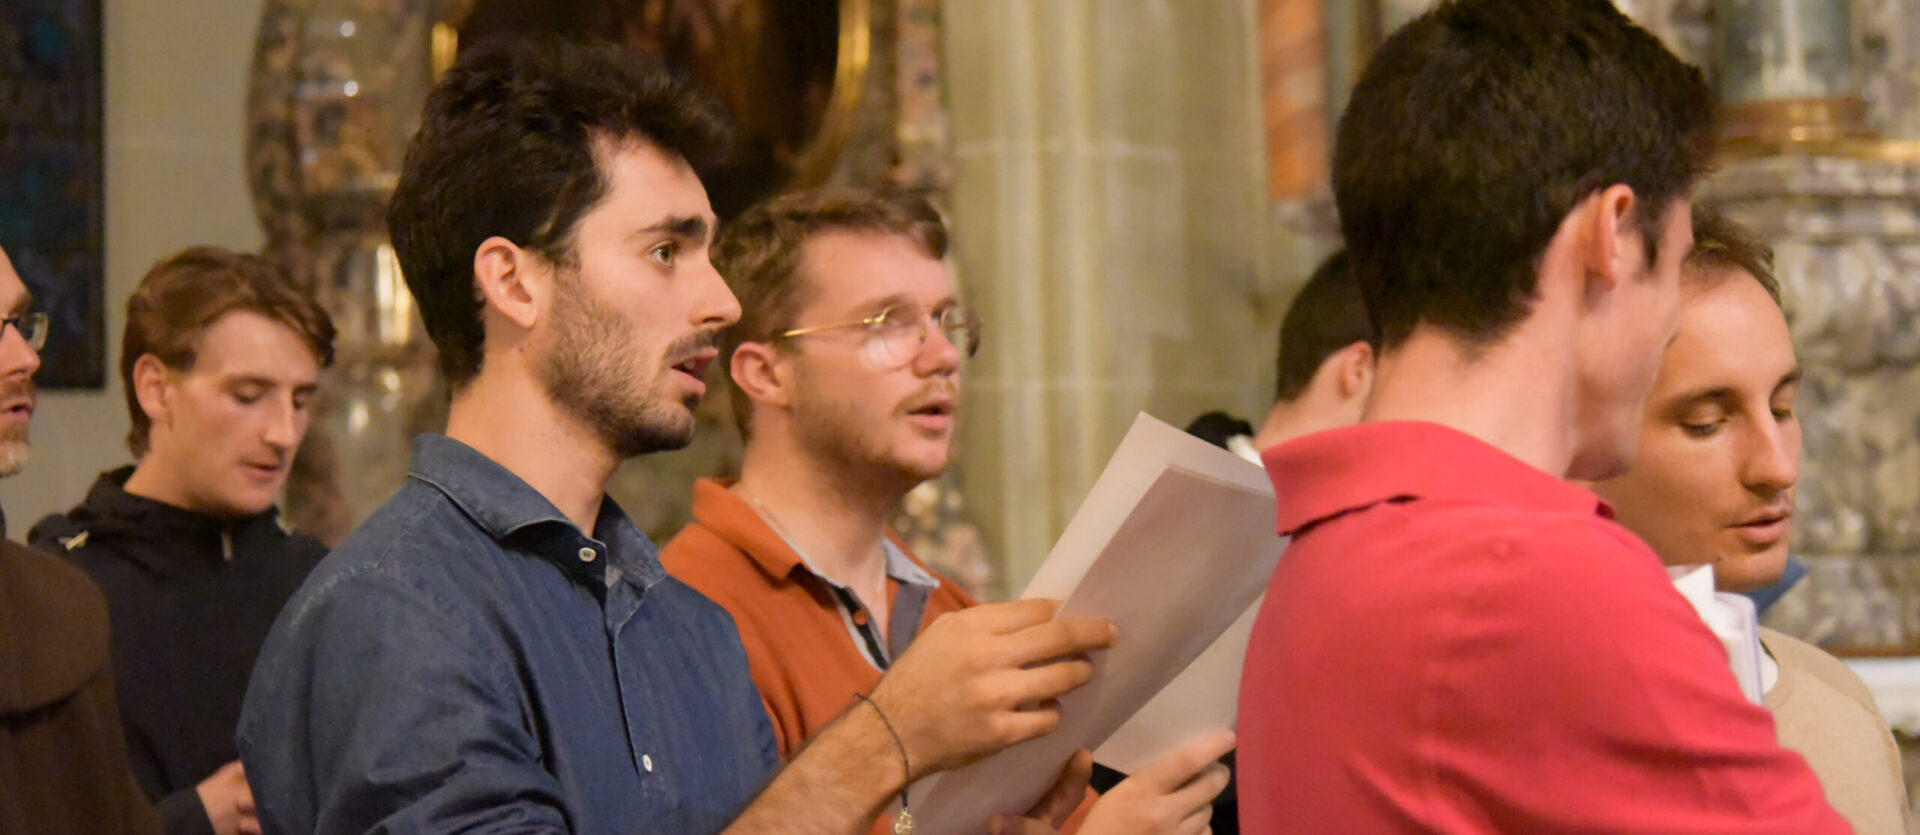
[[1458, 642]]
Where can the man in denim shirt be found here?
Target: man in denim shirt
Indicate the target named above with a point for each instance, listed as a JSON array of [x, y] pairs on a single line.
[[497, 648]]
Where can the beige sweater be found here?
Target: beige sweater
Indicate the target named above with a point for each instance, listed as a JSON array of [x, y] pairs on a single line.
[[1826, 714]]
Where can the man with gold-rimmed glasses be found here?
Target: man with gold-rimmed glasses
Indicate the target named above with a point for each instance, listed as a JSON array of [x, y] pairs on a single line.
[[846, 364]]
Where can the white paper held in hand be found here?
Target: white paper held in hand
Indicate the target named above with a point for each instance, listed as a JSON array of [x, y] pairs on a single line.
[[1173, 544]]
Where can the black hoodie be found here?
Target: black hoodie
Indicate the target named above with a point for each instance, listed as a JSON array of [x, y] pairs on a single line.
[[191, 598]]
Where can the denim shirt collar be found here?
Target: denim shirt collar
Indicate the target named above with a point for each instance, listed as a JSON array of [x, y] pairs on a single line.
[[509, 509]]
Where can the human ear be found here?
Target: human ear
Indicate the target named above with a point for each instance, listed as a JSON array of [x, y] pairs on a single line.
[[1356, 370], [1613, 239], [509, 281], [150, 379], [760, 372]]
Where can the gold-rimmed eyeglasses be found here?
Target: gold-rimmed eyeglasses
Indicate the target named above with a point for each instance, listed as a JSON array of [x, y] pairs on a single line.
[[901, 331], [32, 327]]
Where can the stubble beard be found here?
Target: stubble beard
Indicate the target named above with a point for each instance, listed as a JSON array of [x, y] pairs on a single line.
[[588, 374], [14, 450], [831, 430], [14, 446]]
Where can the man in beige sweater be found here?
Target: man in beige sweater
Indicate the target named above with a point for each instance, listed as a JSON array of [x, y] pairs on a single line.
[[1714, 484]]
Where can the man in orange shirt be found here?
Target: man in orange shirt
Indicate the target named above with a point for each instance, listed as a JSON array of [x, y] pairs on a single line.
[[846, 365]]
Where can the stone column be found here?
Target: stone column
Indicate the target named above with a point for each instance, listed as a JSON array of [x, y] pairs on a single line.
[[1107, 204]]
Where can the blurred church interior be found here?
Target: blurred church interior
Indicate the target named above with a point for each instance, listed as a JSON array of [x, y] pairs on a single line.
[[1136, 187]]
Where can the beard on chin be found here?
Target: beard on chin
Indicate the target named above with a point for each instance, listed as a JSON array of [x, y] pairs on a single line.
[[834, 429], [588, 373], [14, 450]]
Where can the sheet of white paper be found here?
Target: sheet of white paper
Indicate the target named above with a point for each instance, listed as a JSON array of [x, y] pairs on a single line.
[[1150, 447], [1174, 542], [1204, 698]]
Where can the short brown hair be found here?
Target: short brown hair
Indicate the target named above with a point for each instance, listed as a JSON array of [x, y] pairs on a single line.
[[1722, 246], [1327, 315], [759, 254], [186, 293], [1473, 133]]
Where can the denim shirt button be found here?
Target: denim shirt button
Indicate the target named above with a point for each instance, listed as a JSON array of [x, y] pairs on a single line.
[[588, 554], [646, 762]]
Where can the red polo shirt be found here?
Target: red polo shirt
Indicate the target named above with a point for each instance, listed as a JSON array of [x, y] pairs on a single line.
[[1458, 642]]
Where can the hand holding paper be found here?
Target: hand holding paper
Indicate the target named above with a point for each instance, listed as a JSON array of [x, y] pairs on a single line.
[[982, 679], [1173, 543]]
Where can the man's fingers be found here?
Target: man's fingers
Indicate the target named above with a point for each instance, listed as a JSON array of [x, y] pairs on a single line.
[[1040, 684], [1058, 639], [1067, 791], [1180, 767], [1201, 790], [1010, 824], [1011, 616], [1021, 725], [1198, 823]]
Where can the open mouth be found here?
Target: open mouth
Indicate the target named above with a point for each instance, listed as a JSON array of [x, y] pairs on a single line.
[[940, 409], [934, 415], [696, 365], [18, 409], [1766, 528]]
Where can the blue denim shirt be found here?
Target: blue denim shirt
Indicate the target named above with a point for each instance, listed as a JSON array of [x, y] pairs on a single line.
[[468, 660]]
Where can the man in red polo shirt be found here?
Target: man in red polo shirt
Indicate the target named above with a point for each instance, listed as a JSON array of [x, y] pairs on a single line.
[[1458, 640]]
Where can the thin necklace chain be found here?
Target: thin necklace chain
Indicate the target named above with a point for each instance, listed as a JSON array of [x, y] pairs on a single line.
[[766, 514]]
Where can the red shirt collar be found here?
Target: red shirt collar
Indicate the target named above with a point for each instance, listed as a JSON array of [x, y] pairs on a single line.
[[1326, 474]]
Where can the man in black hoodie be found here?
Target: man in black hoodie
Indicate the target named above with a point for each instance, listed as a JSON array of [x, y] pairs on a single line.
[[220, 359]]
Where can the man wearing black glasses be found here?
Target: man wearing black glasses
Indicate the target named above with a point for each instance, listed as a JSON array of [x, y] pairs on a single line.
[[846, 365], [63, 767]]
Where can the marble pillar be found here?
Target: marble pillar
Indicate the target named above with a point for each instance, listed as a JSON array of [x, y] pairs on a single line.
[[1846, 233]]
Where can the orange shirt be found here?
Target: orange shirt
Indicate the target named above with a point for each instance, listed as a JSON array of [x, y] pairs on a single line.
[[807, 647], [808, 659]]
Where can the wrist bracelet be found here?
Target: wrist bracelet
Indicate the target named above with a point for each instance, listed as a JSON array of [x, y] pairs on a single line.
[[902, 824]]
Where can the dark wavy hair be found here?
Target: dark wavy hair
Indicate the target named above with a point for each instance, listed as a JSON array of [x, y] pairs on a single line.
[[507, 147]]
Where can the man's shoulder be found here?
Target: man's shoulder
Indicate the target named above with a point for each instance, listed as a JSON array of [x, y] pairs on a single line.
[[54, 634], [1794, 654], [54, 531], [713, 564], [1558, 545], [419, 544]]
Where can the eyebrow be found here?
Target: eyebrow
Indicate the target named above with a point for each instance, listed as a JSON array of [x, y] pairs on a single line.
[[1788, 379], [23, 305], [879, 305], [693, 227], [1723, 396], [268, 382]]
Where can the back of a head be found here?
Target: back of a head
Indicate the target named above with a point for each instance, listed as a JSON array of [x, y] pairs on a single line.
[[185, 293], [508, 147], [759, 254], [1478, 127], [1326, 315]]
